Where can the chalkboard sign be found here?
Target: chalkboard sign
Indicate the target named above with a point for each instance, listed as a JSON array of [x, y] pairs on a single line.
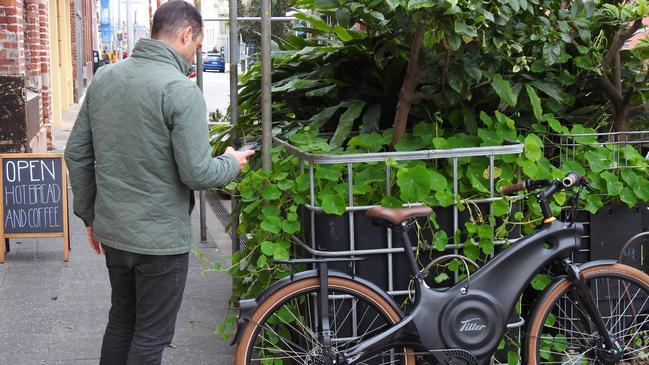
[[34, 197]]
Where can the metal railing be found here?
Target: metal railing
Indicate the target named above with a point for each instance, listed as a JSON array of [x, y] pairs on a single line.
[[309, 161], [568, 148], [616, 141]]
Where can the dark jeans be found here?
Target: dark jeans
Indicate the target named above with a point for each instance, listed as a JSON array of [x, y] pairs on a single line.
[[146, 295]]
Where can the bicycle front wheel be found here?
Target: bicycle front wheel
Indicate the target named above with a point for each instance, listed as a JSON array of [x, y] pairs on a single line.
[[284, 328], [562, 332]]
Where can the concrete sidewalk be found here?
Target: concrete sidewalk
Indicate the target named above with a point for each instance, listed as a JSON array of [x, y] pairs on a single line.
[[53, 312]]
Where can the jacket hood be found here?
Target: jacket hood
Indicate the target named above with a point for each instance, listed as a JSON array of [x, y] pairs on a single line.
[[159, 51]]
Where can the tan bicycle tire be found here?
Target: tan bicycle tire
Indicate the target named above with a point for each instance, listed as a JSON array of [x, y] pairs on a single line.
[[550, 298], [302, 285]]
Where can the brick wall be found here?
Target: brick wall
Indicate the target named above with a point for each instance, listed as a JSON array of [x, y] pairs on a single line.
[[73, 36], [24, 63], [12, 44], [32, 47], [89, 36], [44, 59]]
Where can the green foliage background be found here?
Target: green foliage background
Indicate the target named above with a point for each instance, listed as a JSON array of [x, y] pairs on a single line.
[[494, 72]]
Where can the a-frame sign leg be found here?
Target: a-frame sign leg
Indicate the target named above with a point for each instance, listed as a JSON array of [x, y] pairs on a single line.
[[2, 250]]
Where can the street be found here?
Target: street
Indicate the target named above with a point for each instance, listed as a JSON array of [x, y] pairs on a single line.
[[216, 90]]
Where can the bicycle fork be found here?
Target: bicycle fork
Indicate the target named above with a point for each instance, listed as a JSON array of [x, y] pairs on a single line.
[[611, 350]]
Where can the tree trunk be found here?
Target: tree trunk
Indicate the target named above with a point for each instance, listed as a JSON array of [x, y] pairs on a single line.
[[613, 88], [409, 86], [403, 109], [621, 122]]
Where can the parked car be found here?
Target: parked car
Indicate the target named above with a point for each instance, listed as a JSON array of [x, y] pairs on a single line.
[[213, 62]]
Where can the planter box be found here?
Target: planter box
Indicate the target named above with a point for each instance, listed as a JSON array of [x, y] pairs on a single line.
[[388, 270], [612, 226]]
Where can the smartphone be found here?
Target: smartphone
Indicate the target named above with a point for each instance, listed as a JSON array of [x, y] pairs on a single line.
[[253, 146]]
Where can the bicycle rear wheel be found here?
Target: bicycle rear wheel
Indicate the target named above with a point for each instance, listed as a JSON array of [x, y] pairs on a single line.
[[561, 331], [283, 329]]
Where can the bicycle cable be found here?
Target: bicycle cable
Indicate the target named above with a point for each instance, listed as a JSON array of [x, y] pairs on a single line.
[[426, 270]]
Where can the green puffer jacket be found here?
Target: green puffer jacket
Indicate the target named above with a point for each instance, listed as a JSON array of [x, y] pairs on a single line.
[[138, 148]]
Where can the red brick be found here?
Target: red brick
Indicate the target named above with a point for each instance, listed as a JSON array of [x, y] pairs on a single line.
[[10, 19], [11, 11]]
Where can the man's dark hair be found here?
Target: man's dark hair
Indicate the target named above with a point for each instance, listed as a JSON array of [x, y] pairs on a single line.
[[173, 16]]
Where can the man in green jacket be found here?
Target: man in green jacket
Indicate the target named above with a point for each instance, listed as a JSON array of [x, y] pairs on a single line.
[[138, 149]]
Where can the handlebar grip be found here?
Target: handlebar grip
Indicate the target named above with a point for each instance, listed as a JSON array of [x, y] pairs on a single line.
[[571, 179], [513, 188]]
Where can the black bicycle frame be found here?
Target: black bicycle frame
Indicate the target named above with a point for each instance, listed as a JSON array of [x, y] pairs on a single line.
[[472, 315], [467, 320], [497, 286]]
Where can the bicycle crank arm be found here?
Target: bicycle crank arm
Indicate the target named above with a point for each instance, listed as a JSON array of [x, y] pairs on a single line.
[[401, 330]]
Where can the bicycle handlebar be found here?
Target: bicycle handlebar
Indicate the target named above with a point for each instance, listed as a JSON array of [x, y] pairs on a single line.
[[513, 188], [569, 180], [524, 185]]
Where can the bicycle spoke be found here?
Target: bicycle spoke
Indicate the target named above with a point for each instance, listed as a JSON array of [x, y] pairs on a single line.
[[627, 307], [289, 333], [304, 327], [622, 304], [276, 347]]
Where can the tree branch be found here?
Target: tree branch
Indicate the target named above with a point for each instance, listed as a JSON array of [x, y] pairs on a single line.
[[617, 73], [618, 42], [419, 96], [447, 60], [611, 91], [635, 111]]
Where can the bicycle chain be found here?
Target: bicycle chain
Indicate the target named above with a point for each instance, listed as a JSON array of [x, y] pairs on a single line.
[[422, 355]]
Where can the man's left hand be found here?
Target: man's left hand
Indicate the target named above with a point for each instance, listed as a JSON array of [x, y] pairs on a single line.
[[94, 244]]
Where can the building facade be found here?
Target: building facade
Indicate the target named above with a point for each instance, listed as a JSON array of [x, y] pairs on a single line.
[[41, 67], [24, 76]]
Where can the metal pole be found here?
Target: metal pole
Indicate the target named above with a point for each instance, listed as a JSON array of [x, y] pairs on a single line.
[[234, 108], [266, 121], [251, 18], [201, 194], [119, 26], [129, 26]]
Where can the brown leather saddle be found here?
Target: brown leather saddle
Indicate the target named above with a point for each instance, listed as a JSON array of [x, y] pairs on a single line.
[[396, 217]]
